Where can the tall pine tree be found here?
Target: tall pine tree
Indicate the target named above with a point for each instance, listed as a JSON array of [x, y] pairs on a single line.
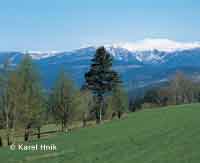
[[101, 79]]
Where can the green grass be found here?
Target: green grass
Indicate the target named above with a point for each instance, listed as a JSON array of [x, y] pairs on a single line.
[[167, 135]]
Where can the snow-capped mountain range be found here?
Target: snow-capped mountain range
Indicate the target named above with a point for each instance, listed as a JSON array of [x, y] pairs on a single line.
[[144, 49], [144, 62], [159, 44]]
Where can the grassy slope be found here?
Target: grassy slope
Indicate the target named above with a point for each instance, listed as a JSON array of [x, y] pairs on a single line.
[[153, 136]]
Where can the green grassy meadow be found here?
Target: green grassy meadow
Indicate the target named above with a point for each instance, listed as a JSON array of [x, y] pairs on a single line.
[[166, 135]]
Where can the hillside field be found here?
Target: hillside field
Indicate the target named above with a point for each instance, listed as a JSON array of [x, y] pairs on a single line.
[[166, 135]]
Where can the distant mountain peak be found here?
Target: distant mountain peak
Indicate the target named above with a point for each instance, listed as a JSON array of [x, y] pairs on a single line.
[[150, 44]]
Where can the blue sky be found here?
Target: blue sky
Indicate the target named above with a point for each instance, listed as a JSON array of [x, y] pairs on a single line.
[[46, 25]]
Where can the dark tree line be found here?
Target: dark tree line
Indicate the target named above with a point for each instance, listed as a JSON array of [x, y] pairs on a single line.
[[179, 90]]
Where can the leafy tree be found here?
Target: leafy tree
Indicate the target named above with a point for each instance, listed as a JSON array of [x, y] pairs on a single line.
[[12, 93], [101, 79], [62, 100], [30, 102], [164, 95], [119, 101], [86, 105], [7, 110], [182, 89]]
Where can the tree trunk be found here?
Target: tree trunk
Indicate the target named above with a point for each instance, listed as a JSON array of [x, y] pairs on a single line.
[[62, 125], [119, 114], [14, 124], [38, 134], [26, 134], [1, 142], [65, 125], [7, 121], [99, 112], [84, 119], [84, 123], [97, 116], [65, 122], [7, 129], [8, 139]]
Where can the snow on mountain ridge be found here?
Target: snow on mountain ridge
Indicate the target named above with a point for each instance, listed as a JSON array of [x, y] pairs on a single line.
[[144, 50], [164, 45], [40, 55]]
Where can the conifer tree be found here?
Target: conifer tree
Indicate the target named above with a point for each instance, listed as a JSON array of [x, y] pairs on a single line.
[[101, 79]]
